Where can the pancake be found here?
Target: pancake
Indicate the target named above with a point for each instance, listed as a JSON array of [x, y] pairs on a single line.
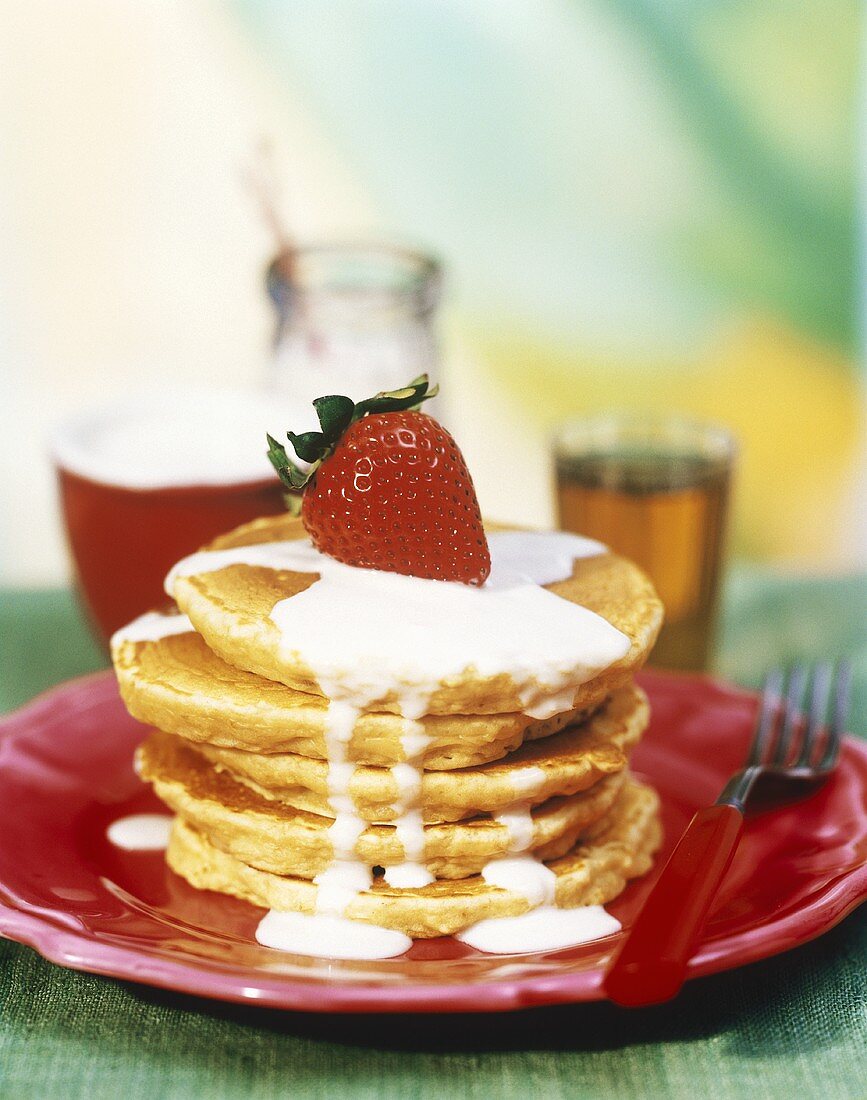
[[231, 608], [592, 873], [178, 684], [272, 836], [563, 764]]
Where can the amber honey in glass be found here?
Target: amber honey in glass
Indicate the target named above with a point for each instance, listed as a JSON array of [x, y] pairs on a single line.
[[654, 489]]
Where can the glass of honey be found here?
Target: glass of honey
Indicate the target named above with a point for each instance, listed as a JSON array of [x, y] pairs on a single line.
[[150, 479], [654, 489]]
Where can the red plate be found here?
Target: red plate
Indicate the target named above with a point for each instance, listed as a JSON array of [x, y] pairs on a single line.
[[65, 774]]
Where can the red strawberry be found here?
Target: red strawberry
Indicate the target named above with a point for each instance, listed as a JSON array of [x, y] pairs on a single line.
[[387, 488]]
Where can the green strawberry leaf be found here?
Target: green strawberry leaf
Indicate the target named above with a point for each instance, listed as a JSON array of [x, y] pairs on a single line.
[[335, 415], [410, 397], [309, 446], [290, 474]]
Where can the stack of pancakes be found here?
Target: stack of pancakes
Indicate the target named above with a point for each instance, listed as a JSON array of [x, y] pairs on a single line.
[[243, 753]]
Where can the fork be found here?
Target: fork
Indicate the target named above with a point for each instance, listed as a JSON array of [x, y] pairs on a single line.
[[651, 965]]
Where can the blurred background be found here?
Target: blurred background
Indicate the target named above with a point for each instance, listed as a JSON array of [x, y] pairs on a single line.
[[647, 204]]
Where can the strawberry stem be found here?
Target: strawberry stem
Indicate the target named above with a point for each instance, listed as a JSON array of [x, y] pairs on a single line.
[[336, 413]]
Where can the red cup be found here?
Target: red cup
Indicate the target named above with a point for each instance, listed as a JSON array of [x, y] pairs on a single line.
[[124, 541], [152, 479]]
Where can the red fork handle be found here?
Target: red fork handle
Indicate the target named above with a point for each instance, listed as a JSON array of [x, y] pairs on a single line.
[[651, 965]]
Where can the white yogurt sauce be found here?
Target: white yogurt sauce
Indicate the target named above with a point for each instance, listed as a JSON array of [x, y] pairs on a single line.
[[546, 928], [523, 875], [152, 626], [543, 557], [518, 819], [407, 777], [328, 932], [368, 634], [526, 780], [140, 832], [412, 872], [330, 936], [346, 876], [348, 825], [339, 884], [414, 742]]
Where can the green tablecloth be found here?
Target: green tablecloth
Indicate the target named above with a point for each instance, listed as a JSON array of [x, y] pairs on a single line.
[[794, 1026]]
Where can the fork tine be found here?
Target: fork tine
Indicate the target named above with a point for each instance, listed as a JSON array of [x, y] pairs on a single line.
[[766, 719], [839, 715], [791, 713], [819, 695]]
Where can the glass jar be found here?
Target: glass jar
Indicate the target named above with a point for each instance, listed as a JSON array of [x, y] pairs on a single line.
[[352, 319]]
